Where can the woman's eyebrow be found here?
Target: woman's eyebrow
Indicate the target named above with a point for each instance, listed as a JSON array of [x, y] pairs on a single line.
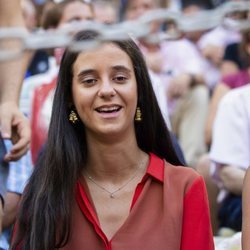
[[121, 68], [85, 72]]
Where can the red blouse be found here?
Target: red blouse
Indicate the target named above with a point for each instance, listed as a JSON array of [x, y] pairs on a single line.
[[169, 211]]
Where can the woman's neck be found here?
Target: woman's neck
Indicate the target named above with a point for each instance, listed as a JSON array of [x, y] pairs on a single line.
[[114, 161]]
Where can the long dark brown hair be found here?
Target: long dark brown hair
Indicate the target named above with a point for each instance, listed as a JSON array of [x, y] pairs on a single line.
[[45, 214]]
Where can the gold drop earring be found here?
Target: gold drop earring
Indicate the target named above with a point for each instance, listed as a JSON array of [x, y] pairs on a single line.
[[73, 117], [138, 115]]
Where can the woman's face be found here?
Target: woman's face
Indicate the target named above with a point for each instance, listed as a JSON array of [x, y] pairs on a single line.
[[138, 8], [104, 90], [76, 11]]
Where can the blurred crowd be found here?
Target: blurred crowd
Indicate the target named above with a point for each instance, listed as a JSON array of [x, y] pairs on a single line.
[[201, 81]]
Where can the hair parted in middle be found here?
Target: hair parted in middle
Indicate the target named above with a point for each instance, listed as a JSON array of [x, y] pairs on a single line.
[[50, 191], [152, 134]]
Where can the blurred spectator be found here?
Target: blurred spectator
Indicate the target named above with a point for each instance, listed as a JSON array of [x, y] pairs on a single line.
[[13, 123], [132, 10], [40, 62], [235, 56], [239, 61], [246, 212], [229, 158], [55, 16], [19, 172], [178, 65], [213, 44], [209, 43], [105, 11]]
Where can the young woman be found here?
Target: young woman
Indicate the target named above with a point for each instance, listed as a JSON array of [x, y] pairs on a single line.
[[107, 179]]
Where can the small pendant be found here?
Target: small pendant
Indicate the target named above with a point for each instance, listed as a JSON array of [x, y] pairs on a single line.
[[112, 196]]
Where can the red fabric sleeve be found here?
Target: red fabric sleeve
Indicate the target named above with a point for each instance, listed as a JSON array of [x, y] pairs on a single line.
[[196, 229]]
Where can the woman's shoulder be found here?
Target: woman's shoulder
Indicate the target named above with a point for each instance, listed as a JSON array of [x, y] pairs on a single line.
[[157, 162], [183, 176], [181, 171]]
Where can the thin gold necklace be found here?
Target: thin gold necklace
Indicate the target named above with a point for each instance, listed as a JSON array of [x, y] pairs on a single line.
[[112, 193]]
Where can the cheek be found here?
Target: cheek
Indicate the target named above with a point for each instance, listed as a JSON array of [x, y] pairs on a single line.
[[82, 100], [79, 101], [132, 98], [77, 95]]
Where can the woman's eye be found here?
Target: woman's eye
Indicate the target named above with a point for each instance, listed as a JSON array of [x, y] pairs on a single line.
[[120, 78], [89, 81]]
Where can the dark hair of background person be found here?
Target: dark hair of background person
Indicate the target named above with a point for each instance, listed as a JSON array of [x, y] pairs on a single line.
[[45, 213], [243, 53], [124, 5], [203, 5]]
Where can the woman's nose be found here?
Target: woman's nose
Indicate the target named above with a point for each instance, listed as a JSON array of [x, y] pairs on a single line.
[[106, 89]]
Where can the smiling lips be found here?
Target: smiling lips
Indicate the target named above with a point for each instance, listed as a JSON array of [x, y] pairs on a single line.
[[108, 109]]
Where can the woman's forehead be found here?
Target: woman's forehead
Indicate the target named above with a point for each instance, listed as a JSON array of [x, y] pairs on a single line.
[[106, 54]]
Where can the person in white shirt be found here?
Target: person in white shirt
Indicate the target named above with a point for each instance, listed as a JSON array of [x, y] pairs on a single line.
[[229, 156]]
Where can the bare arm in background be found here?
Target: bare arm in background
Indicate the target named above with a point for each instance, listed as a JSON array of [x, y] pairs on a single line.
[[12, 122], [246, 212], [219, 91]]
